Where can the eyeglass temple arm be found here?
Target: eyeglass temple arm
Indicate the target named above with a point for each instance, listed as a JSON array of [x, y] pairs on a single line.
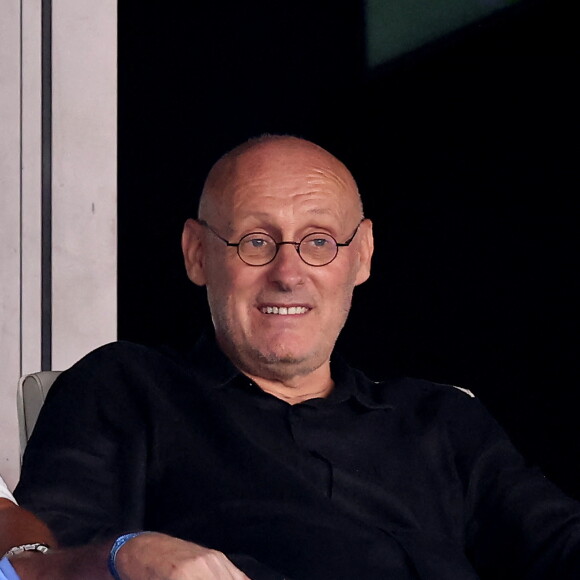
[[347, 243]]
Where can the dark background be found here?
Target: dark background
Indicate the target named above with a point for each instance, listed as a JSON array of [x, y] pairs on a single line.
[[463, 151]]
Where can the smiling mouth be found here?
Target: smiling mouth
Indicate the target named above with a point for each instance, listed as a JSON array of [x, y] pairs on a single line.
[[284, 310]]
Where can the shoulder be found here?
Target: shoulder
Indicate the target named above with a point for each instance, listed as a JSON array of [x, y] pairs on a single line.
[[125, 352], [422, 404], [119, 357], [113, 389], [410, 391], [119, 373]]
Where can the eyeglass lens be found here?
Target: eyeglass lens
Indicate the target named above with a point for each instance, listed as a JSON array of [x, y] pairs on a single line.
[[316, 249]]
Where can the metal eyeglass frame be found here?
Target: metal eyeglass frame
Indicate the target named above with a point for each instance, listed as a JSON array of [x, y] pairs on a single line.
[[278, 244]]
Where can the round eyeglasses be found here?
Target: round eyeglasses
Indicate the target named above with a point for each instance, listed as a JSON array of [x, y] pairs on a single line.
[[259, 249]]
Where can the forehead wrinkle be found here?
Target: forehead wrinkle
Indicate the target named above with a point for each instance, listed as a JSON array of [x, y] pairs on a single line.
[[319, 178], [300, 183], [322, 175], [267, 216], [243, 213]]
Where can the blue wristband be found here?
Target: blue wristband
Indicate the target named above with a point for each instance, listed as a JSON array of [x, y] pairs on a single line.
[[119, 543], [7, 572]]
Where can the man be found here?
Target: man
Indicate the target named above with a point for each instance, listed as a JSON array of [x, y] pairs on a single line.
[[261, 453], [20, 533]]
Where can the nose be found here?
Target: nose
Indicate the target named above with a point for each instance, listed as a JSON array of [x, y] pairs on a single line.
[[287, 269]]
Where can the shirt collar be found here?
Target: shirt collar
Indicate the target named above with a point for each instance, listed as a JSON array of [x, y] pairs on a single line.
[[213, 367], [351, 383]]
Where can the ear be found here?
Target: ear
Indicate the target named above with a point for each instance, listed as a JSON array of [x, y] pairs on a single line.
[[366, 247], [193, 251]]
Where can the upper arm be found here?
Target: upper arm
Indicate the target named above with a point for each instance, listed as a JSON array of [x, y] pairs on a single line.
[[516, 519], [81, 470]]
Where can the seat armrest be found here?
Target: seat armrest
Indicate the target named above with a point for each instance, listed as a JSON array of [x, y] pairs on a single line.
[[31, 393]]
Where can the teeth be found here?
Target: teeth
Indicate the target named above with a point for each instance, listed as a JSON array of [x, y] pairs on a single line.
[[283, 310]]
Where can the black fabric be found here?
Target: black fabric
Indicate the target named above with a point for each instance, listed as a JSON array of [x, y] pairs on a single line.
[[402, 479]]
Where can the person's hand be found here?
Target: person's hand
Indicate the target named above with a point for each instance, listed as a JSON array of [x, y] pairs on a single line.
[[155, 556]]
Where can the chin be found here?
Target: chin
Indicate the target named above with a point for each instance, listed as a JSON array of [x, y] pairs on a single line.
[[287, 352], [284, 370], [284, 363], [285, 358]]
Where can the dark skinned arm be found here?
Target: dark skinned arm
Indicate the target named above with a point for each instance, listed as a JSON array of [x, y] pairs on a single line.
[[19, 526]]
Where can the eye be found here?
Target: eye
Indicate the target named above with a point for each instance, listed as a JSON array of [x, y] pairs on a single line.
[[318, 241], [256, 242]]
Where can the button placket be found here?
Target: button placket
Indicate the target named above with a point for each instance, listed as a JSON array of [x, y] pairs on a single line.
[[316, 467]]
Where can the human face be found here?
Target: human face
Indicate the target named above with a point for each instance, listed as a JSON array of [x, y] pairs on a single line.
[[280, 320]]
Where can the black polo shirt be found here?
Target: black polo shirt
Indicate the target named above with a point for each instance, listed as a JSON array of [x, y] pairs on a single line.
[[394, 480]]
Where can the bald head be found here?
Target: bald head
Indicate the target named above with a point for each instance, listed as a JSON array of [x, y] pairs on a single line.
[[275, 154]]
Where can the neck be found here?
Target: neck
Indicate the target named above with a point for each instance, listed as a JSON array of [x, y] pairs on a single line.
[[317, 384]]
